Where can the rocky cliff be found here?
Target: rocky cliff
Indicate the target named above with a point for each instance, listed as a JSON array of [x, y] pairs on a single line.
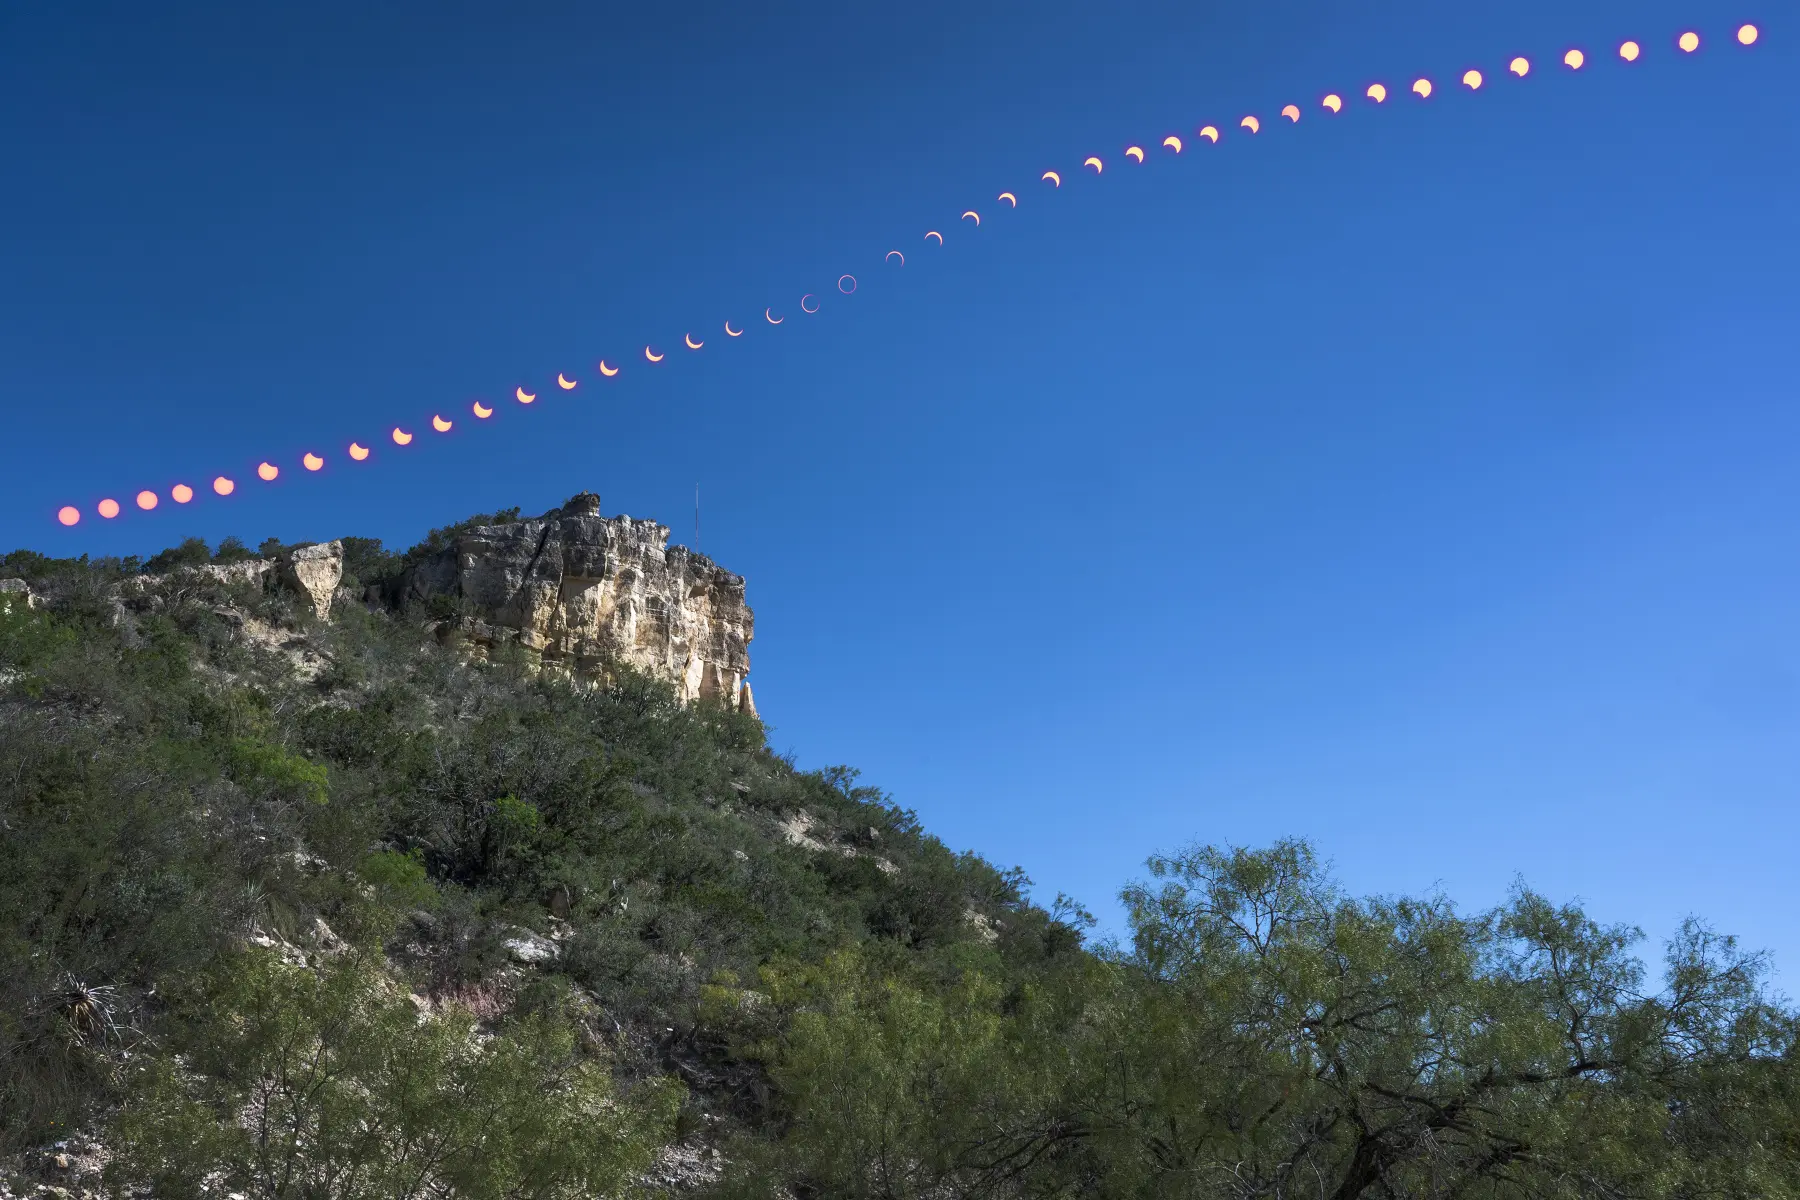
[[578, 590]]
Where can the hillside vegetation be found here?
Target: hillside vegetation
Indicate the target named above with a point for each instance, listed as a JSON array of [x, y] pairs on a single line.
[[323, 910]]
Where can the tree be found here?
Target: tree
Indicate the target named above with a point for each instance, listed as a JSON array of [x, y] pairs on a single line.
[[329, 1085], [1265, 1035], [1377, 1047]]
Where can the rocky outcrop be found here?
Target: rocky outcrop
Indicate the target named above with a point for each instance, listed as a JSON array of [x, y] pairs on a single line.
[[311, 572], [579, 591], [314, 572], [16, 589]]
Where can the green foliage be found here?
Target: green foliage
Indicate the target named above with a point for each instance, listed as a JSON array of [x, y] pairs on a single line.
[[1267, 1035], [400, 879], [257, 764], [366, 562], [29, 638], [232, 550], [37, 568], [497, 914], [192, 552], [325, 1083], [902, 1085]]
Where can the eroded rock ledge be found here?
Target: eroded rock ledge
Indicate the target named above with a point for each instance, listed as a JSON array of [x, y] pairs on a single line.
[[577, 590]]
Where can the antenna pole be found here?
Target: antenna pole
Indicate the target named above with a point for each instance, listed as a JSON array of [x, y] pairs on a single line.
[[696, 518]]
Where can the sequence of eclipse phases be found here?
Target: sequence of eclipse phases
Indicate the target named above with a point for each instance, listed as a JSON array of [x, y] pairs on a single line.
[[399, 437]]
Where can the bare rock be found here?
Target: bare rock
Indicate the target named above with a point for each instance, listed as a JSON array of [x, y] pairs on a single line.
[[796, 830], [15, 590], [524, 946], [314, 572], [578, 590], [250, 570]]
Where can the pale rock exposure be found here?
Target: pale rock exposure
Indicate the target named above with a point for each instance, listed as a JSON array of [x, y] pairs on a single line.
[[314, 572], [19, 589], [576, 589]]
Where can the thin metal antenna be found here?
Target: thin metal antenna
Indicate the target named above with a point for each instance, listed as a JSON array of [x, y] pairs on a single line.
[[696, 518]]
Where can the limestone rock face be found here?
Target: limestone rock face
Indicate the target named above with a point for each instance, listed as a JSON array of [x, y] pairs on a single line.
[[314, 572], [11, 588], [577, 589]]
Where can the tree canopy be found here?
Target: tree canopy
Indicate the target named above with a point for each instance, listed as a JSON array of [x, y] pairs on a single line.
[[399, 924]]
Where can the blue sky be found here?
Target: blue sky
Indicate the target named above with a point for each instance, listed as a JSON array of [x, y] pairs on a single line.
[[1417, 480]]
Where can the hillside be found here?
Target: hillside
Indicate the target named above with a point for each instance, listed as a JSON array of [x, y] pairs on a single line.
[[344, 873]]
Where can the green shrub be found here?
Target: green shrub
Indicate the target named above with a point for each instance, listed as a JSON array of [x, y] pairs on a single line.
[[329, 1083]]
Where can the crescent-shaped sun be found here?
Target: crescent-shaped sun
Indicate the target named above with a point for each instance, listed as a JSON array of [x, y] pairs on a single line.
[[1252, 124], [1292, 113], [567, 385], [974, 216], [1053, 177], [438, 423], [268, 471], [1520, 66], [1422, 88], [1574, 58], [1377, 92], [1334, 102], [607, 371], [894, 254], [803, 308], [401, 437], [1472, 79], [1173, 143], [771, 318], [358, 452], [652, 356], [730, 332], [311, 462], [524, 396], [935, 234], [1210, 133], [1094, 163], [691, 343], [1009, 198], [1135, 152], [482, 411]]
